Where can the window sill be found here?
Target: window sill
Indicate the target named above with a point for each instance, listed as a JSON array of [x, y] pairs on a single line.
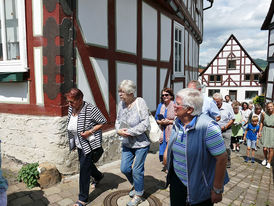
[[12, 68]]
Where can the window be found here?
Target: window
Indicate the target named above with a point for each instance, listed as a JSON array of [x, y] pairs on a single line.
[[250, 94], [256, 77], [247, 77], [231, 64], [178, 50], [218, 78], [213, 91], [12, 36], [231, 61]]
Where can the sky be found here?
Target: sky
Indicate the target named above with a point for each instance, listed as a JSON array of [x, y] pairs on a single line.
[[243, 19]]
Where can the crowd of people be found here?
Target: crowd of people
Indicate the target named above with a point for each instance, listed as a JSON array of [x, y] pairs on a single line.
[[198, 135]]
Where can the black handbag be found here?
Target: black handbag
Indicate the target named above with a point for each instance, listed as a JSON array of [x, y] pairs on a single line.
[[97, 153]]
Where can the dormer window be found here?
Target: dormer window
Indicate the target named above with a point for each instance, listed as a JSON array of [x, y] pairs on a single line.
[[231, 61]]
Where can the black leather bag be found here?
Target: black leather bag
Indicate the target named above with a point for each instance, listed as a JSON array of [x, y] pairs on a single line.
[[96, 154]]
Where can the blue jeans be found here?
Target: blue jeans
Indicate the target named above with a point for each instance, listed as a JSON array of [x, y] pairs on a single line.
[[134, 175]]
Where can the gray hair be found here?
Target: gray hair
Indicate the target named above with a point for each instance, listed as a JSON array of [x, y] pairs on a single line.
[[217, 96], [127, 86], [192, 98], [196, 83]]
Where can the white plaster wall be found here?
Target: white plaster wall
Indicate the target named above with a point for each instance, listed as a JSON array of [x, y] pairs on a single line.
[[222, 61], [165, 38], [101, 71], [38, 73], [271, 72], [92, 16], [247, 61], [37, 17], [254, 69], [240, 91], [270, 51], [126, 25], [271, 39], [125, 71], [269, 90], [149, 86], [214, 70], [149, 23], [82, 81], [15, 92], [163, 73], [190, 51], [177, 87]]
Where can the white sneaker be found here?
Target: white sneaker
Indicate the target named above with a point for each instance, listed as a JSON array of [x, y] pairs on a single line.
[[264, 162], [268, 165]]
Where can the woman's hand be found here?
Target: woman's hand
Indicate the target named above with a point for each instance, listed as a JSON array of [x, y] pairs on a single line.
[[123, 132], [86, 134]]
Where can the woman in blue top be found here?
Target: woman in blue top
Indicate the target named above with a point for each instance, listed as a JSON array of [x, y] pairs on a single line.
[[164, 117]]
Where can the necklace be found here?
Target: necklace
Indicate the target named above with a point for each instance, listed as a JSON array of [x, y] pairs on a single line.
[[129, 105]]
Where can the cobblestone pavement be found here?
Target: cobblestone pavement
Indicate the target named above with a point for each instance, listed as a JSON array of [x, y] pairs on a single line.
[[250, 184]]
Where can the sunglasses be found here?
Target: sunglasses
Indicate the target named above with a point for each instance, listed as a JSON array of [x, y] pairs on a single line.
[[165, 95]]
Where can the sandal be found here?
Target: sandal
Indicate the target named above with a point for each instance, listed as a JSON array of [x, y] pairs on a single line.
[[80, 203]]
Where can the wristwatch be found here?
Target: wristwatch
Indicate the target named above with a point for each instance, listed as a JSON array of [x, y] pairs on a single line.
[[218, 191]]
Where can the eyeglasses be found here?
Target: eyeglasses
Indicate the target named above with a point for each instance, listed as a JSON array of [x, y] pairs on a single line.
[[165, 95]]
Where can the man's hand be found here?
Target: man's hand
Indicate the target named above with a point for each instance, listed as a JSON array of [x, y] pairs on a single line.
[[216, 197]]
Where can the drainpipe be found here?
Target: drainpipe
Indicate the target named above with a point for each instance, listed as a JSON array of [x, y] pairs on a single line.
[[211, 4]]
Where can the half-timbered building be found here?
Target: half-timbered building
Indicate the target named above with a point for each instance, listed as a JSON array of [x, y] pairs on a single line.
[[268, 24], [49, 46], [232, 72]]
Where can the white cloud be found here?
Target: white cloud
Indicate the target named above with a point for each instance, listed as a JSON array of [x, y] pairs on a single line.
[[243, 19]]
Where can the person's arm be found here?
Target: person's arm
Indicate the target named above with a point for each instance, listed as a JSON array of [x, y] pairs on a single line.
[[261, 125], [245, 135], [218, 182], [87, 133], [228, 125]]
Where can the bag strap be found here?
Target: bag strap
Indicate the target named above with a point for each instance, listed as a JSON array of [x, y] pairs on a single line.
[[138, 106]]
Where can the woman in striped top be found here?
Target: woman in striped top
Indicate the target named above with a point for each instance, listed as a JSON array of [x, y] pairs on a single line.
[[84, 131]]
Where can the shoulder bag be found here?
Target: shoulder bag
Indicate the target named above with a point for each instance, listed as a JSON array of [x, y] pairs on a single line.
[[154, 133]]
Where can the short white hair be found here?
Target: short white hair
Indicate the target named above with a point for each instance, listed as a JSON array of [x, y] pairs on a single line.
[[217, 96], [192, 98], [127, 86]]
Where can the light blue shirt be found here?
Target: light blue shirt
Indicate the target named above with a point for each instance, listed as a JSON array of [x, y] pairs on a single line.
[[210, 108], [227, 114]]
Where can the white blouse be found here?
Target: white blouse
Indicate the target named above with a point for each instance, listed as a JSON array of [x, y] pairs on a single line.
[[72, 127]]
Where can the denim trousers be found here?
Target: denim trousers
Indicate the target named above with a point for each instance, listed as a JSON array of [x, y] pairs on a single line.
[[87, 169], [3, 198], [135, 174]]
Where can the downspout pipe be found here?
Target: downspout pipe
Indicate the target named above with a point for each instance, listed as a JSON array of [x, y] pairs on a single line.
[[211, 4]]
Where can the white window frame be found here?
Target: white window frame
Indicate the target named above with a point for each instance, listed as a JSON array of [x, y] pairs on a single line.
[[182, 72], [21, 64]]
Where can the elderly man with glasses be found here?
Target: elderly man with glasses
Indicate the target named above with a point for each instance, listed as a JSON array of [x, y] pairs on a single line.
[[196, 155]]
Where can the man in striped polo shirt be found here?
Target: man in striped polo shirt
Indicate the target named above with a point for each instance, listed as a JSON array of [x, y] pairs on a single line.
[[196, 155]]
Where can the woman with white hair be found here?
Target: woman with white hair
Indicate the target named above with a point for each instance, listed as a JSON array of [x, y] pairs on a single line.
[[196, 155], [131, 123]]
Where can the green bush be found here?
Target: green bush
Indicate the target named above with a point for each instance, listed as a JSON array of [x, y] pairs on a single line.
[[259, 100], [29, 175]]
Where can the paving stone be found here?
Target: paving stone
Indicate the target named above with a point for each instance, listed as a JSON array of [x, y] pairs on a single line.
[[65, 202], [52, 190], [54, 198]]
